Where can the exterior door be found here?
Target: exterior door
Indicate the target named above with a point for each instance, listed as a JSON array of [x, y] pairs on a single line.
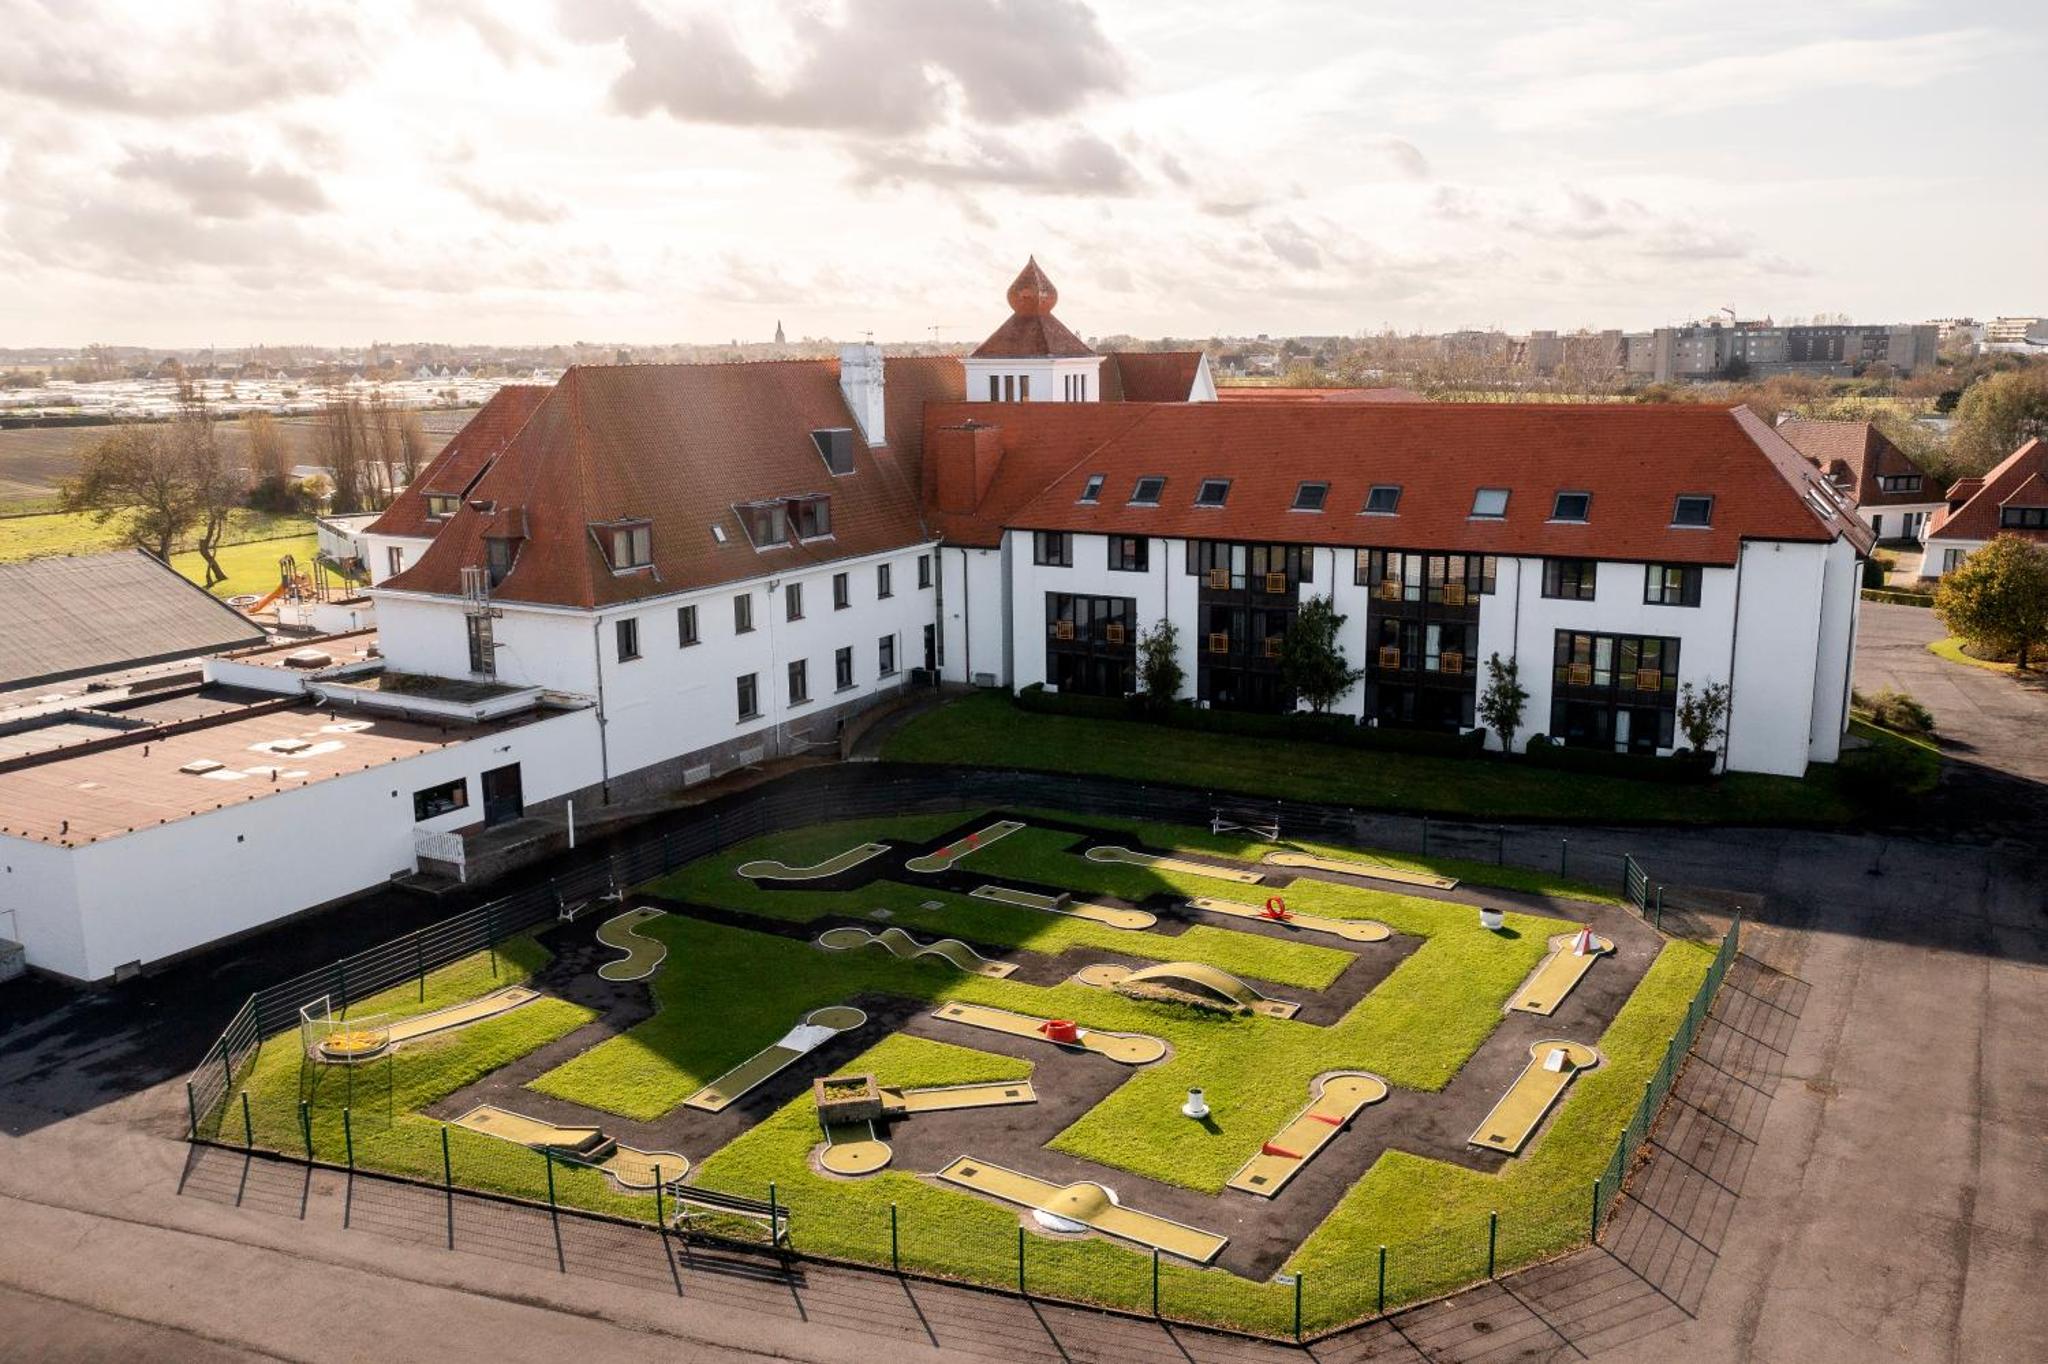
[[503, 798]]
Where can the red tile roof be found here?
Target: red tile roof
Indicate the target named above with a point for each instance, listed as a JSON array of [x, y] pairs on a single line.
[[1137, 376], [1239, 393], [466, 455], [1856, 455], [1031, 332], [1634, 460], [679, 445], [2020, 479]]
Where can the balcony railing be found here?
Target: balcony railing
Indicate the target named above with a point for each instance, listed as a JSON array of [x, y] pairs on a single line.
[[1579, 675], [1649, 679], [1219, 643], [1273, 643], [1063, 629], [1454, 594], [1390, 589], [1219, 579], [1276, 583], [1390, 658], [1113, 632], [1450, 661]]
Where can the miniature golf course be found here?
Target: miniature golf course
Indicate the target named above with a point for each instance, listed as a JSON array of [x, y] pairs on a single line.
[[1562, 970], [898, 942], [1109, 915], [770, 870], [1347, 866], [1552, 1065], [1160, 862], [1338, 1099], [1087, 1204], [1189, 978], [813, 1031], [1351, 930], [360, 1040], [643, 953]]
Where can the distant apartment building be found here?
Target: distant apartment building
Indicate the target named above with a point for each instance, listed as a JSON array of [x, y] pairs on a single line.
[[1713, 350], [2015, 334]]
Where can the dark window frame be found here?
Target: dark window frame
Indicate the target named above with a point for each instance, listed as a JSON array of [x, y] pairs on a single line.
[[1372, 495], [885, 582], [743, 613], [1157, 483], [748, 686], [626, 634], [799, 674], [1052, 548], [1678, 506], [431, 802], [686, 627], [842, 591], [885, 656], [1571, 579], [924, 570], [2023, 518], [1659, 588], [1130, 553], [1585, 507], [793, 601], [842, 668], [1310, 495], [1222, 487]]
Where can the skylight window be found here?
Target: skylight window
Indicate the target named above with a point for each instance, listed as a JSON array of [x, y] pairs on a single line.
[[1571, 506], [1212, 492], [1693, 509], [1310, 496], [1490, 502], [1091, 491], [1383, 500], [718, 532], [1146, 492]]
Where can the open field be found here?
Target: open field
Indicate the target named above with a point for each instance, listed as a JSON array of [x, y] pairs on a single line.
[[32, 537], [1422, 1010]]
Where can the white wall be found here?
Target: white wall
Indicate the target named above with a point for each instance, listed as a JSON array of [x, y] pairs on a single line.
[[1047, 377], [1092, 576], [1778, 635], [377, 553], [1840, 608], [38, 882], [978, 605], [1933, 562]]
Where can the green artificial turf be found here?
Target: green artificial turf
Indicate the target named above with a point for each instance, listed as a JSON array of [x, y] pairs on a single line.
[[986, 729]]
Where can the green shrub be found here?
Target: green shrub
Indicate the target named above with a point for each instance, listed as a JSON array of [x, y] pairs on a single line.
[[1674, 770], [1341, 730], [1897, 710]]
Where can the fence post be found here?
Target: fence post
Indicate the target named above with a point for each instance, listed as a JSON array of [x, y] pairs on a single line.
[[1298, 1277], [1564, 856], [1492, 1239], [548, 1154], [1155, 1281], [491, 935], [1383, 1281], [1020, 1264], [306, 1129], [248, 1128], [227, 1067], [895, 1255], [419, 956], [192, 1109], [1596, 1212], [1659, 921], [341, 984], [447, 1163], [1425, 835], [1500, 845], [774, 1218], [348, 1137], [660, 1222]]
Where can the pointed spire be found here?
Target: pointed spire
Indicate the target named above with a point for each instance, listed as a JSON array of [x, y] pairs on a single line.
[[1031, 293]]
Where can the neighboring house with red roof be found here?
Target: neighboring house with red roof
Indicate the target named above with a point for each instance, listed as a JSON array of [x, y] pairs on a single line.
[[1892, 494], [2012, 499]]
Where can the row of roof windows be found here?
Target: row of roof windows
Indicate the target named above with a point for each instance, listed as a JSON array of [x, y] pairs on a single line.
[[1384, 499]]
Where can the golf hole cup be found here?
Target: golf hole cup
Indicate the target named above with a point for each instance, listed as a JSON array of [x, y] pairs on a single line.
[[1490, 918], [1196, 1107]]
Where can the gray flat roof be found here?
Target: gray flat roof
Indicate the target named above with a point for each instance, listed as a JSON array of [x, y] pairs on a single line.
[[65, 617]]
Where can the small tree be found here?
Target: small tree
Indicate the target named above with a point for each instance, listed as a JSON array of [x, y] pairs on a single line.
[[1501, 703], [139, 475], [1703, 715], [1997, 598], [1312, 660], [1159, 670]]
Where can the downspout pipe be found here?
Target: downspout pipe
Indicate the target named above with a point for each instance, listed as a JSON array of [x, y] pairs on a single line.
[[604, 757]]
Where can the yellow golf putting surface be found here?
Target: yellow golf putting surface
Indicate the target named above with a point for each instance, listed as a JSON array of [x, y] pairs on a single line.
[[771, 870], [817, 1028], [945, 857], [1564, 968], [1356, 930], [1350, 867], [1541, 1083], [852, 1149], [1130, 1049], [350, 1041], [1179, 864], [1089, 1205], [1338, 1099], [631, 1169], [643, 954], [1188, 977], [944, 1097], [1108, 915], [899, 942]]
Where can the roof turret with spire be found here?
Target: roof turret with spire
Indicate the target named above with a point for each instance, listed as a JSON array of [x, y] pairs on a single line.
[[1032, 331]]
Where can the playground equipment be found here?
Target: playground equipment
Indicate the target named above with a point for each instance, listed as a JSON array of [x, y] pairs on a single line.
[[1130, 1049], [770, 870], [1571, 956], [632, 1170], [899, 942], [1110, 916], [643, 954], [1345, 866], [1109, 853], [1512, 1121], [944, 858], [1277, 912], [346, 1040], [816, 1029], [1337, 1098], [1188, 982], [568, 913], [1258, 822], [1093, 1207]]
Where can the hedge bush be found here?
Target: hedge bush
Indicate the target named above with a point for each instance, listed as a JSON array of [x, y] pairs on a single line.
[[1681, 767], [1342, 730]]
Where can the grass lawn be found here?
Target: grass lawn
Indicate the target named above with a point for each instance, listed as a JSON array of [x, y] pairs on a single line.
[[251, 567], [31, 537], [986, 729], [1952, 650]]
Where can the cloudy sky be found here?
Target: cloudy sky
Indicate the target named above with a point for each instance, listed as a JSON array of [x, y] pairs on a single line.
[[183, 172]]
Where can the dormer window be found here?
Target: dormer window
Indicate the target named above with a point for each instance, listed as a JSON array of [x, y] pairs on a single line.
[[1091, 491], [1212, 492], [628, 545], [1490, 503], [835, 447], [812, 517], [767, 523], [441, 506], [1310, 497], [1145, 493], [2023, 518], [1571, 506], [1383, 500], [1693, 509]]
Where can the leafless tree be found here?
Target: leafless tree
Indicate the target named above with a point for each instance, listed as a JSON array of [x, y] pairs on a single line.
[[140, 474]]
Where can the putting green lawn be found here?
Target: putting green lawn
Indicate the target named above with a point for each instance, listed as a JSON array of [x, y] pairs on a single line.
[[986, 729]]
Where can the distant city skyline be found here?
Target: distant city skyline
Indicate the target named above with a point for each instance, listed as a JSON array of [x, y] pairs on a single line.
[[639, 172]]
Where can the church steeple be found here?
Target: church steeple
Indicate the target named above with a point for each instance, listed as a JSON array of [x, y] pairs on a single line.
[[778, 331], [1031, 293]]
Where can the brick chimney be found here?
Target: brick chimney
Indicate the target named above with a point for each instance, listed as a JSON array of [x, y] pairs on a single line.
[[964, 459]]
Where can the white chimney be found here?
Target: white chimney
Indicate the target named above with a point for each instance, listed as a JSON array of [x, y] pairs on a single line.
[[860, 379]]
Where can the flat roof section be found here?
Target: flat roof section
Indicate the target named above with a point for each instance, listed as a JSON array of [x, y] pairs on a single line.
[[354, 647], [80, 798]]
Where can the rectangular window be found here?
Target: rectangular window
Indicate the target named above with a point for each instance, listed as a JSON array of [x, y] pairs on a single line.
[[750, 696], [1899, 483], [812, 517], [499, 553], [1310, 496], [1053, 548], [1692, 509], [924, 570], [1671, 584], [439, 800], [1212, 492], [792, 601], [1145, 492], [1129, 553], [743, 613], [842, 592], [842, 668], [480, 645], [1490, 502], [1383, 500], [1091, 491], [799, 682], [394, 560], [631, 547], [686, 626], [885, 655], [767, 523], [441, 506], [1009, 388], [1023, 388], [2023, 518], [1614, 691], [1571, 506], [1571, 579], [628, 630], [884, 588], [995, 389]]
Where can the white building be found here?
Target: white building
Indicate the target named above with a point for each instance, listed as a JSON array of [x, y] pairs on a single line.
[[1892, 494], [2012, 499]]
